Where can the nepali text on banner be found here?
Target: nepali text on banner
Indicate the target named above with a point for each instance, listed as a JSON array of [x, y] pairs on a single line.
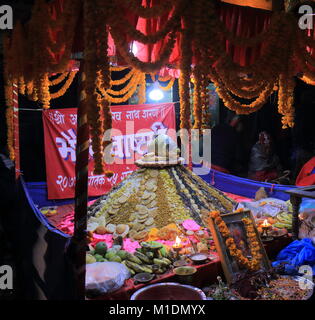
[[134, 127]]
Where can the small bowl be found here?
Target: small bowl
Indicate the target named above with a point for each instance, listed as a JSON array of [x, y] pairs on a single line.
[[180, 263], [185, 274], [143, 277], [199, 258]]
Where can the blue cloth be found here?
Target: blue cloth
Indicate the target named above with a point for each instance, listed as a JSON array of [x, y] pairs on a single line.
[[307, 204], [296, 254], [244, 187]]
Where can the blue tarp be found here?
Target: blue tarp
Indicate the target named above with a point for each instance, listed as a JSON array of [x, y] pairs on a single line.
[[45, 269], [245, 187]]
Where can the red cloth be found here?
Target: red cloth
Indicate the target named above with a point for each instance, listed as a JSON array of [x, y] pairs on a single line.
[[221, 169], [242, 21], [306, 176]]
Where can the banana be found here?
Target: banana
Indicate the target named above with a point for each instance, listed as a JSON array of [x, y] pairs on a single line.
[[132, 272], [146, 269], [149, 254], [142, 257], [160, 262], [133, 258], [134, 266], [167, 261], [282, 225]]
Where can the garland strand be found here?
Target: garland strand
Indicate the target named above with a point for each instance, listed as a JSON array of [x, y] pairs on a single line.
[[65, 87]]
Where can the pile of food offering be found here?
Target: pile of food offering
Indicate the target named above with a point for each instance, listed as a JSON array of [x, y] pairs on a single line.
[[263, 286]]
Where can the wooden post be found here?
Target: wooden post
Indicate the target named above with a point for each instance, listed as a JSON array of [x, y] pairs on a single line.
[[295, 201], [16, 129], [79, 241]]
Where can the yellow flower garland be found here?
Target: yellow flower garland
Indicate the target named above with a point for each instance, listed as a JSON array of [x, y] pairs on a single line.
[[59, 79], [44, 94], [168, 86], [142, 90], [65, 87]]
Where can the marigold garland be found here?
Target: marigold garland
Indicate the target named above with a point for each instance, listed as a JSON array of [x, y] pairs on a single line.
[[124, 79], [65, 87], [43, 46], [44, 94], [252, 264], [185, 69], [168, 86], [134, 81], [142, 90], [59, 79], [93, 100]]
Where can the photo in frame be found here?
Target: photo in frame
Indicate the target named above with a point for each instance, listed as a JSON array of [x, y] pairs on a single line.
[[231, 268]]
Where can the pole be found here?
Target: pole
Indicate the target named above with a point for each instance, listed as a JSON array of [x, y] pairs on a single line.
[[16, 134], [81, 191]]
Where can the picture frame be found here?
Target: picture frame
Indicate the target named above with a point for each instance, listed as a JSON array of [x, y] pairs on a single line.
[[232, 270]]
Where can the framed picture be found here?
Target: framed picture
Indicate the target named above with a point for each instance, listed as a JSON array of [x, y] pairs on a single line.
[[233, 271]]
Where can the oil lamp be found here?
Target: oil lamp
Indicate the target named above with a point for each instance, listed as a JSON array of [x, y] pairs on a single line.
[[177, 246], [265, 227]]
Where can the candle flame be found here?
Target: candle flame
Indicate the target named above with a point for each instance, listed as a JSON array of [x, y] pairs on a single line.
[[177, 242], [266, 223]]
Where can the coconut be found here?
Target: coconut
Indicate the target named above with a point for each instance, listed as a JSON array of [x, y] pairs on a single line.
[[121, 230], [101, 230]]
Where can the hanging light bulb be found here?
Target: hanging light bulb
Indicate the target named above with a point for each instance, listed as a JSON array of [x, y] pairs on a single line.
[[134, 48], [156, 94]]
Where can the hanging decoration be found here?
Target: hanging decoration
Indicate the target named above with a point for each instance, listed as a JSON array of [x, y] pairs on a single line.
[[43, 46]]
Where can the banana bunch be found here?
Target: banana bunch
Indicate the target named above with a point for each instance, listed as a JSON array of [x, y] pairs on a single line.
[[284, 220], [143, 260]]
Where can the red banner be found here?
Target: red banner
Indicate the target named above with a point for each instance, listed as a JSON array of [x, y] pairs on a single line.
[[134, 127]]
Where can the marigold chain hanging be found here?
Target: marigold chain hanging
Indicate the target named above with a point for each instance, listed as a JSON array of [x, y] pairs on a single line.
[[42, 47]]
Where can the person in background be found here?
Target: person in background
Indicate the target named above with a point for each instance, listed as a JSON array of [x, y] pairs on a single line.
[[264, 164], [306, 176]]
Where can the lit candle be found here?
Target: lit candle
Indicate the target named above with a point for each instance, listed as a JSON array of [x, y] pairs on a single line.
[[177, 243], [266, 224]]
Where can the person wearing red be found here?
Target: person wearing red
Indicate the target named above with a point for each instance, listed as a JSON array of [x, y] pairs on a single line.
[[306, 176], [264, 164]]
